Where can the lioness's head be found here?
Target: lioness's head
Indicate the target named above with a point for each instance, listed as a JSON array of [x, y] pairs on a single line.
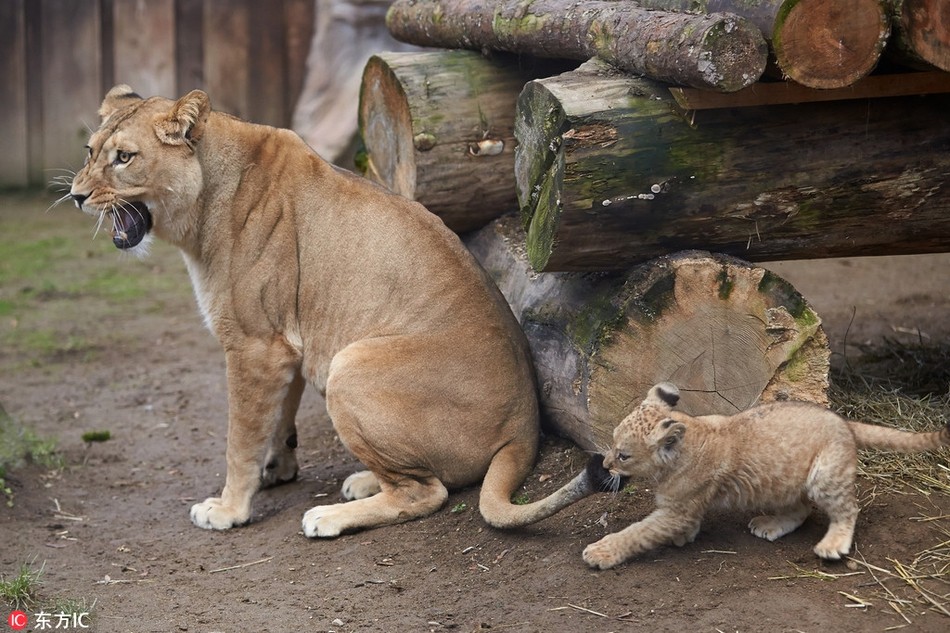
[[141, 170], [647, 439]]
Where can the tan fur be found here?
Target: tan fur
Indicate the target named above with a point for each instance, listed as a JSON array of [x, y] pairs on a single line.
[[778, 457], [307, 273]]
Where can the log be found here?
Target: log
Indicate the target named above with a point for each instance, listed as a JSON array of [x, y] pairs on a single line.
[[921, 32], [727, 333], [816, 43], [438, 127], [610, 173], [716, 52]]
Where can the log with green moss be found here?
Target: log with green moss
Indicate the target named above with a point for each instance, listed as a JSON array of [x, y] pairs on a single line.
[[438, 127], [610, 172], [816, 43], [921, 32], [729, 334], [717, 52]]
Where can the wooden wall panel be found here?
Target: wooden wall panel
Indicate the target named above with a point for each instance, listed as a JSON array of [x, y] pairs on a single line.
[[144, 46], [14, 159], [59, 57], [226, 44], [71, 82]]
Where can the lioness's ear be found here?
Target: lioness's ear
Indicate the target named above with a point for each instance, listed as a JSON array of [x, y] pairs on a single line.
[[184, 124], [119, 97], [665, 392]]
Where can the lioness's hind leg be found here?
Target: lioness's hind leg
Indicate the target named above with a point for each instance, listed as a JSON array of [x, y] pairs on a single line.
[[772, 527], [360, 485], [280, 464], [407, 500]]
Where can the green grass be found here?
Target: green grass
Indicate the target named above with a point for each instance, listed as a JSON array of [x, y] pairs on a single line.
[[19, 445], [58, 285], [19, 590]]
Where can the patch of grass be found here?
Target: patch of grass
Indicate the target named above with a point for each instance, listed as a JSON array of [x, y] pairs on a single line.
[[19, 445], [521, 499], [19, 590]]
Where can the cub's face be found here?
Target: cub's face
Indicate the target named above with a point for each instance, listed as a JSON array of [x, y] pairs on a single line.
[[136, 175], [648, 439]]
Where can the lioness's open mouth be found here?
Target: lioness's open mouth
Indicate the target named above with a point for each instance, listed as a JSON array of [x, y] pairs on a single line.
[[131, 221]]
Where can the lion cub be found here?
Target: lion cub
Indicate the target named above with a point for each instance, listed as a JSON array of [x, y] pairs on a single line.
[[778, 457]]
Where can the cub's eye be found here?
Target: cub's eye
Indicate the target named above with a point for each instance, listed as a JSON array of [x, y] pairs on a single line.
[[122, 157], [622, 457]]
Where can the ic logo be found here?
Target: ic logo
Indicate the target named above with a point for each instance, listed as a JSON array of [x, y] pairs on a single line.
[[17, 620]]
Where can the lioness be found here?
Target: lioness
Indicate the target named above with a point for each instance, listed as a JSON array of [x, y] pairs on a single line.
[[306, 272], [779, 457]]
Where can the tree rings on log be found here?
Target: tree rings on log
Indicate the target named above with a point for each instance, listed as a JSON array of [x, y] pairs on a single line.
[[727, 333], [437, 127]]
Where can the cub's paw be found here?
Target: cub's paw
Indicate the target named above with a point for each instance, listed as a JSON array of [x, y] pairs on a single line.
[[211, 514], [324, 521], [360, 485], [280, 468], [768, 527], [602, 554], [832, 549]]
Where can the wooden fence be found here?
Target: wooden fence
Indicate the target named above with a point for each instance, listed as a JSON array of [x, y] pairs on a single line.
[[59, 57]]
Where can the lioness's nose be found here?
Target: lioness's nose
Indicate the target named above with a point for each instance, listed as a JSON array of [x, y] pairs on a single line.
[[79, 198]]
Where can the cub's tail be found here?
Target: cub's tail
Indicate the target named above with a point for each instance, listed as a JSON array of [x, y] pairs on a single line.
[[888, 439], [506, 473]]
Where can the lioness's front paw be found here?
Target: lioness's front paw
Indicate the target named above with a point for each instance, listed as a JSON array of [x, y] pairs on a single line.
[[602, 554], [360, 485], [211, 514], [324, 521]]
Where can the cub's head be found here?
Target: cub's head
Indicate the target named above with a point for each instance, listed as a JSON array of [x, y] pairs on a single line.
[[648, 439], [141, 170]]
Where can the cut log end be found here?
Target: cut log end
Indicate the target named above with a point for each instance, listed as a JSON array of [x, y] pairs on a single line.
[[385, 122], [727, 333], [823, 44], [926, 25]]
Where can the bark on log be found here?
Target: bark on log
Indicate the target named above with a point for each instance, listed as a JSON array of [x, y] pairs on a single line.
[[438, 127], [609, 173], [817, 43], [727, 333], [716, 52], [921, 32]]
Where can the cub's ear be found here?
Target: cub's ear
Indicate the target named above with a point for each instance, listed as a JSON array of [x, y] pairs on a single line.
[[665, 392], [119, 97], [184, 124], [670, 434]]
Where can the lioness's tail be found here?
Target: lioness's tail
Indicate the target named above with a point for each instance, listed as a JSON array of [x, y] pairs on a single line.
[[888, 439], [505, 474]]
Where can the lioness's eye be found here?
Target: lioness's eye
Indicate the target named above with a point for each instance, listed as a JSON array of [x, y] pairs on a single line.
[[122, 157]]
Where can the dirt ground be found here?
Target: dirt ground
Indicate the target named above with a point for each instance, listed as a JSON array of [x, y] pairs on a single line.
[[92, 340]]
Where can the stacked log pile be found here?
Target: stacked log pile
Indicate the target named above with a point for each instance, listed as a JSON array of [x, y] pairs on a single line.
[[750, 129]]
